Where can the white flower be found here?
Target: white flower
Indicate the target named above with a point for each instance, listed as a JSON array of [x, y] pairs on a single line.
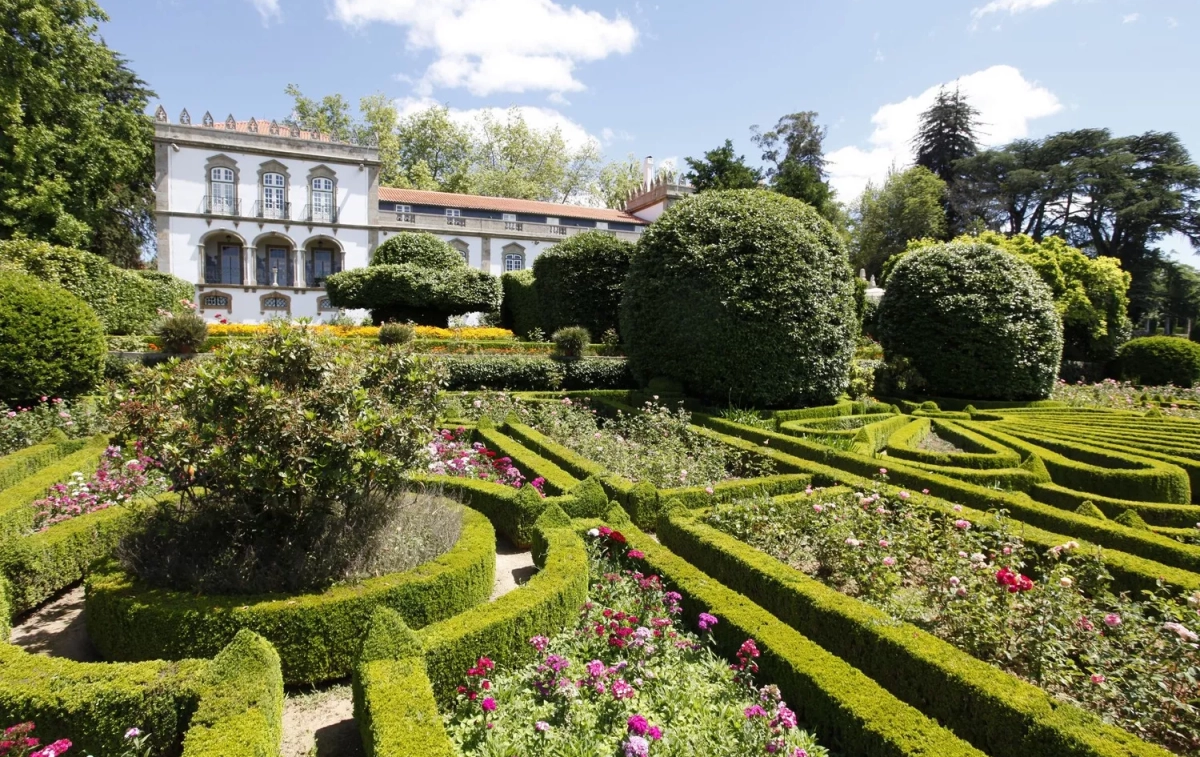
[[1183, 632], [594, 533], [1065, 582]]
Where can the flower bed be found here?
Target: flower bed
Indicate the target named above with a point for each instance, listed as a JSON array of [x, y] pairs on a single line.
[[118, 480], [627, 679], [1049, 618], [452, 453], [485, 333], [22, 427], [1182, 402]]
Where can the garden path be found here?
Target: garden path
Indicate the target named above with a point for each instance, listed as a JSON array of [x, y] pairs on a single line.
[[57, 629]]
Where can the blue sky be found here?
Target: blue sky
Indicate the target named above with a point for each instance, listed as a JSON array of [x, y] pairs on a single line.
[[676, 77]]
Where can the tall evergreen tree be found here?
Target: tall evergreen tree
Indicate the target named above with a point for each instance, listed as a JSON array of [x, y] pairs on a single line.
[[76, 161], [947, 134], [794, 152], [722, 168]]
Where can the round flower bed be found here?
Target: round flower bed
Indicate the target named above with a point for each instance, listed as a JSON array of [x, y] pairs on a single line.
[[317, 635]]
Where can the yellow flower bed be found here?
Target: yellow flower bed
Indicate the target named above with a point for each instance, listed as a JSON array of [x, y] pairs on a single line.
[[474, 333]]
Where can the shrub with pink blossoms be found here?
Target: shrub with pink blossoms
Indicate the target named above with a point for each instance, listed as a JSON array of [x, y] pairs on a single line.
[[23, 426], [117, 481]]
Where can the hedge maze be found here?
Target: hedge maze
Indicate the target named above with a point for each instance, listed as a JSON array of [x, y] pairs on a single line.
[[206, 674]]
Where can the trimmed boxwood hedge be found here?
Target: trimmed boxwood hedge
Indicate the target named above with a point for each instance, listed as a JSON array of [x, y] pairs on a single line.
[[18, 465], [974, 321], [519, 310], [317, 635], [1158, 360], [980, 452], [744, 297], [997, 712], [16, 511], [230, 706], [580, 280], [533, 373]]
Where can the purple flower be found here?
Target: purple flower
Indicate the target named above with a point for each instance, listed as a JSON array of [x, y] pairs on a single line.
[[638, 725], [636, 746], [755, 711], [541, 726], [132, 733], [539, 643], [706, 621], [488, 704]]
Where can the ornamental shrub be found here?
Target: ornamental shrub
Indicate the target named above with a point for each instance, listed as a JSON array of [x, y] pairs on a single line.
[[287, 452], [743, 296], [579, 281], [183, 333], [519, 311], [415, 277], [127, 302], [51, 342], [1155, 360], [973, 321], [396, 333], [571, 341]]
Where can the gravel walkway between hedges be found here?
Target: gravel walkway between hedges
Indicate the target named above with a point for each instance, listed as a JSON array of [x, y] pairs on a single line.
[[513, 567], [57, 629]]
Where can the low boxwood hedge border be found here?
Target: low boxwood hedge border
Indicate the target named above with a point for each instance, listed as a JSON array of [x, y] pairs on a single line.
[[401, 675], [1137, 559], [317, 635], [997, 712], [988, 455], [229, 706], [16, 511], [18, 465]]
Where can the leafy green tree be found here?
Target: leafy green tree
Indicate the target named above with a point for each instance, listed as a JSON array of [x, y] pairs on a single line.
[[435, 151], [618, 179], [1090, 294], [722, 168], [796, 160], [908, 206], [1175, 297], [76, 162], [331, 114], [946, 134]]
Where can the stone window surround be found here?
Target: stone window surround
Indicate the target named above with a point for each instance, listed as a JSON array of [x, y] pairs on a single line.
[[228, 307], [262, 303], [512, 248], [323, 172], [221, 160], [463, 247], [274, 166]]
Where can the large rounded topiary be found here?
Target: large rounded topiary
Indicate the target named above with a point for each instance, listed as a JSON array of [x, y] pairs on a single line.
[[743, 296], [579, 282], [421, 249], [1156, 360], [974, 321], [51, 342]]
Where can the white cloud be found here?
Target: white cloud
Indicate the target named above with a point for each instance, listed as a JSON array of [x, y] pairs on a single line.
[[490, 46], [1129, 18], [268, 9], [539, 118], [1010, 6], [1006, 102]]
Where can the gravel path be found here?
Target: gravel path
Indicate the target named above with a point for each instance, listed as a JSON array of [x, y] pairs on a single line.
[[57, 629], [513, 567]]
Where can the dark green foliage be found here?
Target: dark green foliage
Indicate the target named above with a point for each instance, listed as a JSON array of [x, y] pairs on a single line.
[[127, 302], [51, 342], [520, 312], [415, 277], [571, 341], [183, 332], [947, 134], [745, 297], [721, 169], [974, 321], [579, 282], [396, 333], [535, 373], [1157, 360]]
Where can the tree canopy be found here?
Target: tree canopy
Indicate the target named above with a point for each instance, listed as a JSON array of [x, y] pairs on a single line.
[[76, 162], [722, 168], [908, 206], [794, 152]]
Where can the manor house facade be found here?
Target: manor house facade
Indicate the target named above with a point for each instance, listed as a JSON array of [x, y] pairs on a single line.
[[257, 215]]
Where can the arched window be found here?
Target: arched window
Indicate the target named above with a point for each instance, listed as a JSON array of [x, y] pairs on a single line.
[[223, 264], [274, 196], [274, 266], [322, 201], [322, 263], [514, 257], [463, 248], [222, 192]]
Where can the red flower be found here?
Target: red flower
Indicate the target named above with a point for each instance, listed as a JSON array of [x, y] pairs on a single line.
[[617, 536]]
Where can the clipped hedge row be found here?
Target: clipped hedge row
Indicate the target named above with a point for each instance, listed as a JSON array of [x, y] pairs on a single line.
[[531, 373], [980, 452], [317, 635], [1154, 513], [993, 710], [230, 706], [16, 511], [1136, 559], [21, 464], [850, 713]]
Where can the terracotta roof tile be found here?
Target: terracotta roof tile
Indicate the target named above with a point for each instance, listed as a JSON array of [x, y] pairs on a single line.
[[504, 205]]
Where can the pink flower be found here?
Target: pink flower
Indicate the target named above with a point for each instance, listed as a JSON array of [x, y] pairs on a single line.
[[539, 643], [1097, 678], [708, 489], [957, 508], [924, 491], [706, 621], [541, 726], [638, 725], [903, 495], [1112, 620], [883, 471], [755, 711], [622, 690], [488, 704], [818, 508], [889, 561], [1182, 631], [962, 525], [635, 554], [884, 543]]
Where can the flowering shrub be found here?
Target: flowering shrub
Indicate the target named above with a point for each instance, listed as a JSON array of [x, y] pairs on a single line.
[[1170, 400], [19, 741], [23, 426], [117, 481], [653, 444], [452, 454], [627, 681], [1049, 618], [479, 333]]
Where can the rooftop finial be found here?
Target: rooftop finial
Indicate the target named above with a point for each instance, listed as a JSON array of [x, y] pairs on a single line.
[[160, 114]]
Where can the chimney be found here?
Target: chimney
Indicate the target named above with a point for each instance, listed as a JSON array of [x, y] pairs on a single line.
[[648, 172]]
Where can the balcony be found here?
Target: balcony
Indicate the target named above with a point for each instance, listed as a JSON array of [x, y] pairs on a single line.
[[222, 206], [320, 214], [494, 227], [273, 210]]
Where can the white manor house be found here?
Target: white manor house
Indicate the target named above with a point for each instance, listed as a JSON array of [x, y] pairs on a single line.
[[257, 214]]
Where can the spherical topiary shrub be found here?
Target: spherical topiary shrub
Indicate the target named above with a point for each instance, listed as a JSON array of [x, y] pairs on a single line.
[[421, 249], [579, 282], [51, 342], [974, 321], [743, 297], [1156, 360]]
